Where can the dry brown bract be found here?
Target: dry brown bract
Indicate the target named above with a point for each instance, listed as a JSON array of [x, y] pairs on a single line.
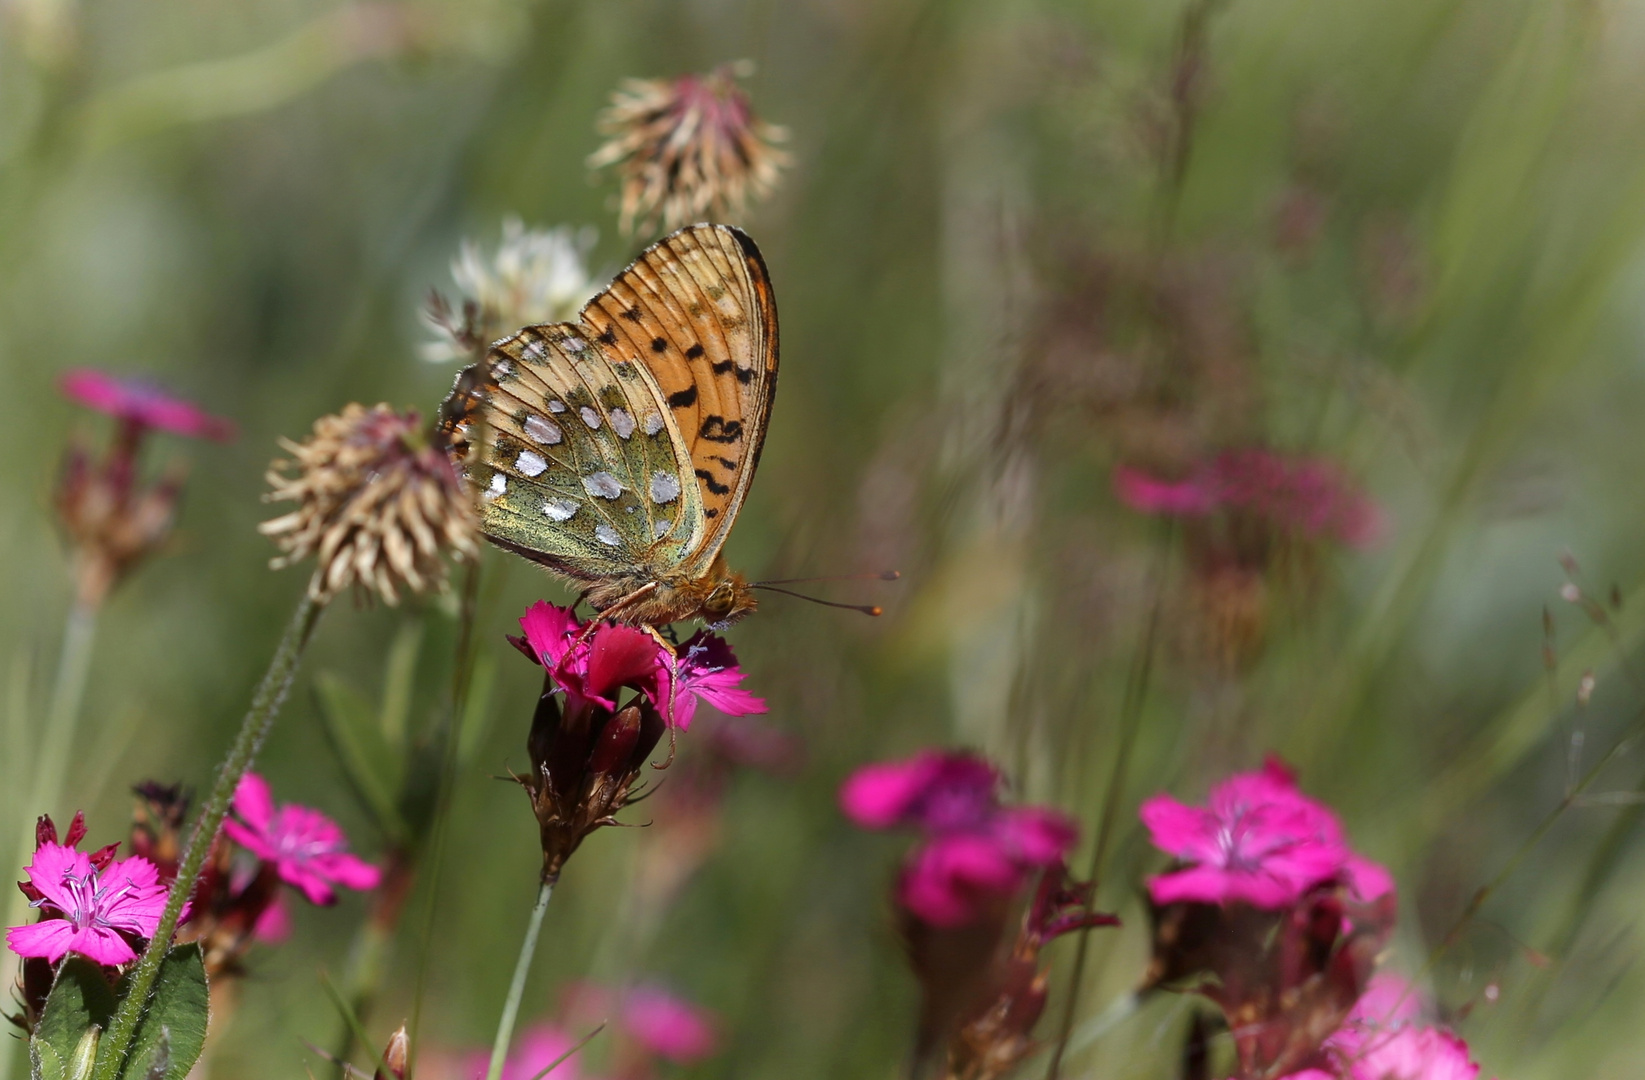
[[687, 148], [377, 505]]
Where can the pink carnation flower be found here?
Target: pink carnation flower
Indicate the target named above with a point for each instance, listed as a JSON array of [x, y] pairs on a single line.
[[539, 1047], [306, 848], [667, 1025], [1311, 496], [91, 911], [142, 405], [974, 846], [1259, 840], [596, 667]]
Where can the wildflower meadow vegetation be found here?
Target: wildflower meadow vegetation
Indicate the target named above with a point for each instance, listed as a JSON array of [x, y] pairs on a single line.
[[1183, 616]]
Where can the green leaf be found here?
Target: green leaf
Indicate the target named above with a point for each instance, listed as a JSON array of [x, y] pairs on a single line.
[[373, 768], [399, 682], [172, 1032], [477, 715], [80, 1001]]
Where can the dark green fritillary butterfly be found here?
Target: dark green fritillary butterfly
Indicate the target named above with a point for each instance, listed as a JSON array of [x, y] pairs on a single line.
[[617, 450]]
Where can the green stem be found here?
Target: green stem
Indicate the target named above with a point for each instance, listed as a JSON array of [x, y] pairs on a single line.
[[1131, 708], [516, 989], [265, 705]]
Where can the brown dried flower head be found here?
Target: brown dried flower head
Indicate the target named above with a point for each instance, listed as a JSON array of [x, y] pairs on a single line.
[[687, 148], [378, 505]]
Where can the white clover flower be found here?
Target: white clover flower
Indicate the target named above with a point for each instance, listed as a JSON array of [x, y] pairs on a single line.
[[536, 276]]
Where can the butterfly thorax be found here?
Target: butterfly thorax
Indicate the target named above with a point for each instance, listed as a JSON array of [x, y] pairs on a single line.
[[718, 598]]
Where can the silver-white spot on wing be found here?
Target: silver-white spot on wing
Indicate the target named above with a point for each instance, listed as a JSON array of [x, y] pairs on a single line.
[[662, 529], [535, 351], [665, 487], [499, 484], [605, 534], [602, 485], [575, 343], [556, 406], [530, 464], [622, 423], [560, 509], [590, 417], [653, 423], [541, 429]]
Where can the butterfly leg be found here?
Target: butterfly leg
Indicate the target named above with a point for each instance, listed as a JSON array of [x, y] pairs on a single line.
[[611, 613]]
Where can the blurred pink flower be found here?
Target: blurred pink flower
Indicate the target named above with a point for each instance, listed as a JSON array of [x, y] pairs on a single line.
[[273, 924], [538, 1047], [974, 846], [306, 848], [1259, 840], [1309, 495], [1403, 1053], [1388, 1001], [705, 668], [594, 668], [90, 911], [142, 405], [667, 1025]]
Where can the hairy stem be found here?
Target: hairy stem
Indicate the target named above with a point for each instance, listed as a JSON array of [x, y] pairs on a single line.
[[265, 705], [516, 988]]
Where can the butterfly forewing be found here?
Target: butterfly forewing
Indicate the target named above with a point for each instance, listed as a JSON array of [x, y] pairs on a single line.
[[696, 310], [620, 449]]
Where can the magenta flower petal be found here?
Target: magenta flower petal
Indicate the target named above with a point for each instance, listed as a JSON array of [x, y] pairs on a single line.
[[620, 656], [253, 801], [549, 631], [139, 403], [946, 881], [1039, 835], [1366, 880], [1151, 495], [89, 910], [1259, 841], [879, 796], [1412, 1053], [307, 849], [706, 669], [49, 940], [669, 1026], [274, 924], [538, 1048]]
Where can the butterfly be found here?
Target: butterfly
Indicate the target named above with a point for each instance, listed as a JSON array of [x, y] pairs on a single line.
[[617, 450]]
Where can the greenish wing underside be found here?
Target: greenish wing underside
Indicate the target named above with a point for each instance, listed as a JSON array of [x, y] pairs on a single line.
[[577, 466]]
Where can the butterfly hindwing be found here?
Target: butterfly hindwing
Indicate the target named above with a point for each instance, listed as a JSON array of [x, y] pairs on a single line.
[[576, 465]]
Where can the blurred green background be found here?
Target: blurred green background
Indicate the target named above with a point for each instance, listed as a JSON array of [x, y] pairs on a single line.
[[1022, 241]]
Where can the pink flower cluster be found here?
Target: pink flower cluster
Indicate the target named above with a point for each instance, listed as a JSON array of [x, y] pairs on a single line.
[[1382, 1040], [99, 907], [142, 405], [1258, 840], [94, 905], [654, 1024], [974, 850], [307, 849], [1309, 496], [592, 668]]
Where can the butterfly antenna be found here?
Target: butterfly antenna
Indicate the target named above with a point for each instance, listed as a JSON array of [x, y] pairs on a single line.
[[883, 575], [866, 609]]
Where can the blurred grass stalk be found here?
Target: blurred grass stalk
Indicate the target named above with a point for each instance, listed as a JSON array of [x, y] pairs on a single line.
[[50, 767]]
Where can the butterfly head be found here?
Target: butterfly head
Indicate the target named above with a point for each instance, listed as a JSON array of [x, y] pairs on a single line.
[[729, 597]]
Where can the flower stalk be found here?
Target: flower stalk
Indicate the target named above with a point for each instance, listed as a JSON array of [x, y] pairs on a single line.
[[265, 706], [516, 988]]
